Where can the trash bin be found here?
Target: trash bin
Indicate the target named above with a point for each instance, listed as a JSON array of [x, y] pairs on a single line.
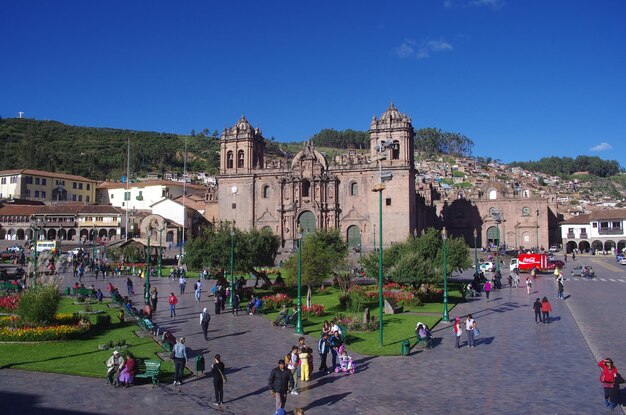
[[67, 290], [199, 365], [406, 347]]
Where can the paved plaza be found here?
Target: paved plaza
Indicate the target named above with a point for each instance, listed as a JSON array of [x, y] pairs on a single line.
[[517, 367]]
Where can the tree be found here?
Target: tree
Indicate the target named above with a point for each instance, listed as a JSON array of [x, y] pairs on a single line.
[[420, 260], [322, 252], [252, 249]]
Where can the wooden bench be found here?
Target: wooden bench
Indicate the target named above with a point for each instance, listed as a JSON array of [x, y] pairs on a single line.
[[9, 287], [149, 369], [83, 292]]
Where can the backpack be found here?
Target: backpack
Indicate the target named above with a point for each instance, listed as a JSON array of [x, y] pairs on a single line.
[[288, 358], [206, 317]]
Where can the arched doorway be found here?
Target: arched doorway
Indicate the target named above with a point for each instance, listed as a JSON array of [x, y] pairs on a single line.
[[84, 233], [62, 234], [584, 246], [169, 237], [354, 237], [570, 246], [112, 234], [20, 234], [609, 245], [29, 234], [492, 235], [71, 234], [307, 222], [10, 234], [3, 233], [52, 234], [597, 246], [102, 233], [620, 246]]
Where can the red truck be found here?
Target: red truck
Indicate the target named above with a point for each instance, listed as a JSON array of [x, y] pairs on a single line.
[[526, 262]]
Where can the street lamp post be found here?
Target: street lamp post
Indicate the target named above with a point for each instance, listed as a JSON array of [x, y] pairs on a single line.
[[475, 253], [93, 242], [36, 227], [232, 263], [161, 249], [299, 303], [147, 286], [446, 316]]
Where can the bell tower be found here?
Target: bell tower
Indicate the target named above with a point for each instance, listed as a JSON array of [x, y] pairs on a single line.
[[242, 148], [393, 131]]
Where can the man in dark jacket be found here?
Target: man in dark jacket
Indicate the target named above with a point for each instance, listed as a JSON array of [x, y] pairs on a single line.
[[537, 310], [280, 382]]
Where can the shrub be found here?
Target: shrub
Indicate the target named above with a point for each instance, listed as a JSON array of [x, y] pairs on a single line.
[[38, 305], [358, 299], [103, 320], [315, 309]]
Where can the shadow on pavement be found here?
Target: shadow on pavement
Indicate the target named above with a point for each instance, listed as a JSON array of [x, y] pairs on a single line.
[[327, 400], [25, 404]]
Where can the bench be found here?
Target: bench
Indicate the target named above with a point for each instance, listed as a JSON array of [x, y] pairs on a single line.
[[425, 342], [10, 287], [83, 292], [149, 369], [146, 324]]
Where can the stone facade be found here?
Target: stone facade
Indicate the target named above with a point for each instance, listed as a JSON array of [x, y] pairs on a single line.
[[310, 191]]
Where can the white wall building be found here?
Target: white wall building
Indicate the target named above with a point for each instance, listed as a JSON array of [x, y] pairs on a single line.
[[602, 230]]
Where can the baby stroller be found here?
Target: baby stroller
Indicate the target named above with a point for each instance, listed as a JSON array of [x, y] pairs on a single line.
[[288, 322], [344, 363]]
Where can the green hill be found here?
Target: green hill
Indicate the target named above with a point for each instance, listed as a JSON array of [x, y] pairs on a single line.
[[100, 153]]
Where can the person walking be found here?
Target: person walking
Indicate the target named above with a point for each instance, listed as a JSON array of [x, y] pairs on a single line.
[[235, 303], [219, 378], [180, 359], [546, 308], [292, 364], [129, 287], [560, 287], [458, 331], [537, 310], [280, 381], [470, 325], [529, 285], [610, 379], [323, 346], [197, 290], [510, 280], [172, 301], [154, 298], [573, 255], [182, 283], [205, 319], [487, 289]]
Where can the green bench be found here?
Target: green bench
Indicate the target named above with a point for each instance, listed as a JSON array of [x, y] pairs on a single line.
[[149, 369], [145, 324], [9, 287], [83, 292]]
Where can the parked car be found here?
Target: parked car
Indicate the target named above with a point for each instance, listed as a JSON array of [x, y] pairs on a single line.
[[583, 271], [619, 257], [623, 261], [556, 263], [487, 267], [15, 248], [554, 248]]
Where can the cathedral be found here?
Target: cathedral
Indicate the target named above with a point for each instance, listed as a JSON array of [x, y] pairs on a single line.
[[312, 192]]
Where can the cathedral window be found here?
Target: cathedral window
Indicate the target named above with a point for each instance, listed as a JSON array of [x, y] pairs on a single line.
[[266, 192], [395, 150], [240, 158], [306, 188], [354, 189], [229, 160]]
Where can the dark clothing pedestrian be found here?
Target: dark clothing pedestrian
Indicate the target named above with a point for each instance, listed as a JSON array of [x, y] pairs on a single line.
[[218, 382], [335, 344], [323, 348], [205, 319], [280, 381], [154, 299], [235, 303], [537, 310]]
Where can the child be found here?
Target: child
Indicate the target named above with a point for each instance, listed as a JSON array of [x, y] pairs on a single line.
[[345, 362], [529, 285], [303, 355]]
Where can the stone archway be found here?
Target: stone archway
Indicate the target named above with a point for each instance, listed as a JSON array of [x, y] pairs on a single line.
[[584, 246], [570, 246], [169, 236], [20, 234], [102, 233], [621, 245], [62, 234], [112, 234], [307, 221], [71, 234], [492, 235], [609, 245], [52, 234], [597, 245], [353, 236], [3, 233]]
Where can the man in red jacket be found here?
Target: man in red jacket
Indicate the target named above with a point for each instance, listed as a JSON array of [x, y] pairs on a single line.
[[173, 301]]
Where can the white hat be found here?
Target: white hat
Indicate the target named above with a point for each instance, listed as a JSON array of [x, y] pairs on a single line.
[[116, 352], [204, 311]]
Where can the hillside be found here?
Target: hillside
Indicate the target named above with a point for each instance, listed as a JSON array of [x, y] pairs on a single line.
[[99, 153]]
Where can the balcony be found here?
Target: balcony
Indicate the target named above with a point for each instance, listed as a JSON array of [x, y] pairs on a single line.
[[610, 231], [570, 235], [583, 236]]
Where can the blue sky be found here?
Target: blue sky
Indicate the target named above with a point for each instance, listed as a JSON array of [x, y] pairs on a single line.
[[522, 78]]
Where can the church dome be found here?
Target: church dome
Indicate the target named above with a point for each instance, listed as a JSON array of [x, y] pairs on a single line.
[[392, 113], [243, 124]]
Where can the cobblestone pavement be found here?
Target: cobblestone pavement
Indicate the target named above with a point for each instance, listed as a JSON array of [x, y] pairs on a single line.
[[517, 367]]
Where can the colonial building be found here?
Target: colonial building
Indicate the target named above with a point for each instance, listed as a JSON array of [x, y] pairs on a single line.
[[501, 215], [45, 186], [601, 230], [314, 192]]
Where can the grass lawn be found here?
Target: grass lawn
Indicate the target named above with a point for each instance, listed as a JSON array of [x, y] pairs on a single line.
[[396, 327], [81, 357]]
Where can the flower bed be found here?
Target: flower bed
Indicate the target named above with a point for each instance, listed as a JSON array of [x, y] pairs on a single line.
[[271, 302], [67, 326], [9, 303], [315, 309]]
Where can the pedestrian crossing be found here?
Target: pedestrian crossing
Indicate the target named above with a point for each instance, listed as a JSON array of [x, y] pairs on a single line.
[[596, 279]]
